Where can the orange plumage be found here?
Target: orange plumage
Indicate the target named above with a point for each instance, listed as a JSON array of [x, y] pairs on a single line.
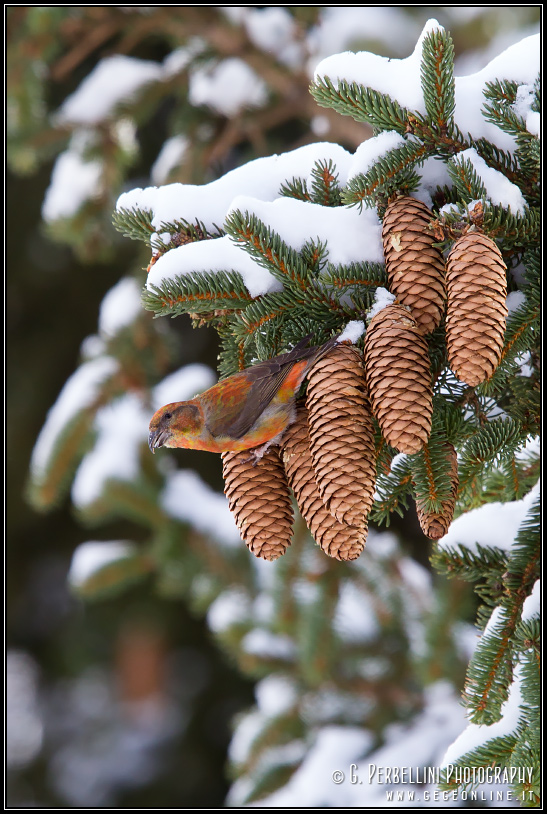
[[247, 410]]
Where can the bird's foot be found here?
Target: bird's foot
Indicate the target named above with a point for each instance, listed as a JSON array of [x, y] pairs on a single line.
[[257, 453]]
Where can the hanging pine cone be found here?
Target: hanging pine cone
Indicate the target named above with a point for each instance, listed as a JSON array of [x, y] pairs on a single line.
[[476, 309], [259, 497], [435, 524], [342, 435], [336, 539], [415, 267], [399, 378]]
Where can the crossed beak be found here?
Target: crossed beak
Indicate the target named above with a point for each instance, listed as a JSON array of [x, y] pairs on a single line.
[[157, 439]]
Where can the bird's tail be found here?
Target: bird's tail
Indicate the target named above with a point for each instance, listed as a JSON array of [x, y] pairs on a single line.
[[300, 351]]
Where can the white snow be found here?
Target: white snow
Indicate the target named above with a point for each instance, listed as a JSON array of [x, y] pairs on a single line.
[[249, 727], [475, 735], [264, 643], [92, 346], [341, 769], [183, 384], [514, 300], [371, 150], [231, 607], [276, 695], [341, 27], [532, 604], [73, 182], [382, 298], [124, 132], [400, 79], [218, 254], [273, 29], [114, 79], [122, 429], [493, 525], [523, 108], [179, 59], [433, 173], [525, 362], [498, 187], [90, 557], [353, 331], [24, 724], [496, 620], [311, 785], [351, 235], [188, 498], [355, 619], [78, 393], [520, 63], [261, 179], [227, 87], [120, 307], [416, 577], [169, 157]]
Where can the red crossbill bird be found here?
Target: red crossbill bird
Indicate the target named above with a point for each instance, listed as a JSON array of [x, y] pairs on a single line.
[[249, 410]]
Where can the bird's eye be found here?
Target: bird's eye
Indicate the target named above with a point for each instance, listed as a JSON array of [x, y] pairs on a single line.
[[168, 416]]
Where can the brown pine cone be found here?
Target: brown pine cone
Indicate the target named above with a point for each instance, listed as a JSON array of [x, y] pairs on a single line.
[[476, 309], [342, 435], [398, 377], [435, 524], [415, 267], [336, 539], [259, 497]]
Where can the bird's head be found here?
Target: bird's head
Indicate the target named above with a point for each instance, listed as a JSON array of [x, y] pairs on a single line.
[[175, 425]]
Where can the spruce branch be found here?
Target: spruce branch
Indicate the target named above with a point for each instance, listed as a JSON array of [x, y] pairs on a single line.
[[198, 293], [314, 254], [497, 751], [491, 669], [495, 441], [393, 171], [48, 483], [521, 335], [432, 474], [501, 91], [482, 565], [366, 274], [181, 232], [497, 110], [295, 188], [134, 223], [325, 187], [437, 77], [466, 179], [523, 567], [361, 103], [268, 249], [393, 489]]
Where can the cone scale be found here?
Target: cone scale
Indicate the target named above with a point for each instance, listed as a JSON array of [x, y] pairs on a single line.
[[336, 539], [260, 500], [476, 307], [342, 435], [415, 266], [398, 377]]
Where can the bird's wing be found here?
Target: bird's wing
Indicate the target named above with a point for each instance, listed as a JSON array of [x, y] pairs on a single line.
[[244, 397], [262, 382], [263, 390]]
